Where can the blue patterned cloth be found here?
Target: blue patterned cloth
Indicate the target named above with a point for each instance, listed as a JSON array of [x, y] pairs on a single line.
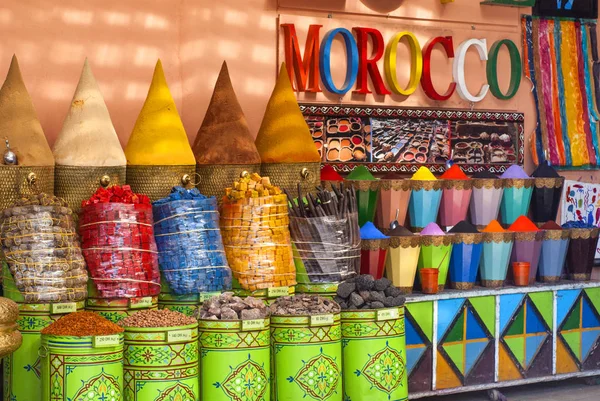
[[190, 249]]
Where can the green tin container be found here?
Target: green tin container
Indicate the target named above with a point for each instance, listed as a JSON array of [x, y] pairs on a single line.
[[268, 295], [374, 352], [235, 362], [327, 290], [186, 304], [307, 357], [161, 364], [22, 369], [82, 368], [117, 308]]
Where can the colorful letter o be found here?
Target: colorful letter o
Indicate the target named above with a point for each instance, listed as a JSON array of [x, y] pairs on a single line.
[[352, 61], [416, 63], [515, 69]]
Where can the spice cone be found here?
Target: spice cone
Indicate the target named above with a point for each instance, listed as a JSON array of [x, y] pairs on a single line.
[[224, 146], [485, 201], [497, 247], [553, 255], [394, 196]]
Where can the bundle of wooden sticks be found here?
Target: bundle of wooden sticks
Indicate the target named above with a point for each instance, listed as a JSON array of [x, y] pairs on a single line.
[[324, 204]]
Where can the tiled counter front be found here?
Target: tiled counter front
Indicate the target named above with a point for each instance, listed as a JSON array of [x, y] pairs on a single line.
[[459, 341]]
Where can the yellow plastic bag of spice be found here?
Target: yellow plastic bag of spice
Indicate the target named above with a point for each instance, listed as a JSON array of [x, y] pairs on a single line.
[[256, 236]]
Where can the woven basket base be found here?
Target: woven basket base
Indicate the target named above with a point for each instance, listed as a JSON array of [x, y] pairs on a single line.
[[406, 290], [215, 178], [78, 183], [157, 181], [288, 175], [580, 276], [14, 182], [549, 279], [463, 285], [492, 283]]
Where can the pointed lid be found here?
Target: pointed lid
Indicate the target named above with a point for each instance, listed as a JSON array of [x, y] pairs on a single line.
[[158, 137], [284, 136], [19, 122], [88, 137], [224, 137]]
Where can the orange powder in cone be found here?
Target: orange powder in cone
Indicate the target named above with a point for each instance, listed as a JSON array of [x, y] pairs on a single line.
[[454, 173], [493, 227], [523, 224]]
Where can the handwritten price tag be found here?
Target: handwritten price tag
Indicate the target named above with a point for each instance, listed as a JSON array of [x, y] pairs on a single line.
[[387, 314], [106, 341], [256, 324], [67, 307], [278, 292], [321, 320], [177, 336], [205, 296], [140, 303]]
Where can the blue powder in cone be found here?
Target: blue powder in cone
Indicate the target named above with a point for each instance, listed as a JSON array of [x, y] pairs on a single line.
[[369, 231]]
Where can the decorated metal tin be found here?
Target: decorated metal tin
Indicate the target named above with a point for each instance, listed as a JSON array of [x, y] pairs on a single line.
[[235, 360], [307, 357], [374, 355], [161, 363], [82, 368], [117, 308]]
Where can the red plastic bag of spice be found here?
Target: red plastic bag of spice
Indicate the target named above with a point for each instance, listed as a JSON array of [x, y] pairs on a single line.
[[117, 241]]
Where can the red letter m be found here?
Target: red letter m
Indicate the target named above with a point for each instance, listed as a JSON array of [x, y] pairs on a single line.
[[306, 68]]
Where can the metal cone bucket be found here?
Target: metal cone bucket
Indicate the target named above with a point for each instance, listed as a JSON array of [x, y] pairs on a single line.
[[424, 203], [402, 261], [496, 253], [464, 261], [456, 196], [527, 248], [435, 253], [553, 255], [485, 200], [516, 199], [394, 197]]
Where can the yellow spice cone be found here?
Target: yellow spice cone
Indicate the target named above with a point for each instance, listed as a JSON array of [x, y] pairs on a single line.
[[19, 122], [88, 137], [158, 137], [224, 137], [284, 136]]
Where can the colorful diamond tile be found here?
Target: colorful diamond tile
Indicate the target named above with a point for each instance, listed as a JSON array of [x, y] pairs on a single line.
[[417, 342], [472, 354], [564, 301], [594, 296], [474, 329], [544, 302], [485, 308], [412, 336], [447, 310], [508, 305], [413, 355], [456, 352], [422, 313], [580, 329]]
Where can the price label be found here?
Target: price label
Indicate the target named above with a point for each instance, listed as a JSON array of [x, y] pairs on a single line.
[[106, 341], [67, 307], [140, 303], [177, 336], [205, 296], [321, 320], [387, 314], [256, 324], [278, 292]]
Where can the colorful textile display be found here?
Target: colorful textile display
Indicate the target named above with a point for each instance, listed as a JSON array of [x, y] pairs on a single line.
[[518, 188], [555, 242], [224, 147], [559, 62], [466, 255], [367, 192], [425, 198], [117, 239], [394, 195], [256, 235], [26, 146], [436, 248], [403, 258], [190, 249], [497, 247], [374, 248], [158, 152], [287, 151], [41, 248], [546, 193], [527, 245], [456, 196], [87, 150]]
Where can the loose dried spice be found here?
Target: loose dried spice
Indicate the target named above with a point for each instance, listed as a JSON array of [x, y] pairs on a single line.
[[157, 318], [82, 324], [229, 307], [304, 305]]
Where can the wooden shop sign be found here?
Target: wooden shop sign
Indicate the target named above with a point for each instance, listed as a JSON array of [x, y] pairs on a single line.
[[313, 69]]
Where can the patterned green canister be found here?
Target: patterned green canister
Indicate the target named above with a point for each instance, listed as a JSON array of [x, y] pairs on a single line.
[[117, 308], [82, 368], [186, 304], [374, 355], [326, 290], [22, 367], [307, 357], [161, 364], [235, 360]]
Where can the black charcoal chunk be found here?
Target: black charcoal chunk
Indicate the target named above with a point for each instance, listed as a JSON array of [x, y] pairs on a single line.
[[376, 305], [345, 289], [365, 282], [392, 291], [381, 284], [356, 299]]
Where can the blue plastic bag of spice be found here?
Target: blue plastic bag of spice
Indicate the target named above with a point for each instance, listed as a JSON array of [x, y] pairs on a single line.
[[190, 249]]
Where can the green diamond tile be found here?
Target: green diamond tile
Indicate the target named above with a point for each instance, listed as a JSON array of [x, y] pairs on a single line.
[[573, 321], [486, 310], [516, 326], [573, 340], [544, 301], [456, 354], [517, 347], [422, 313], [457, 331]]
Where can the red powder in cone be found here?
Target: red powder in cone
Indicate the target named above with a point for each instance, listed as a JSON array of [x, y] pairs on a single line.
[[329, 174], [551, 225], [493, 227], [523, 224], [454, 173]]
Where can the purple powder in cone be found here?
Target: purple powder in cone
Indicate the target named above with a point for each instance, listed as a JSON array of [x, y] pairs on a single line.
[[514, 171], [369, 231], [400, 231], [432, 229], [484, 174], [464, 227]]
